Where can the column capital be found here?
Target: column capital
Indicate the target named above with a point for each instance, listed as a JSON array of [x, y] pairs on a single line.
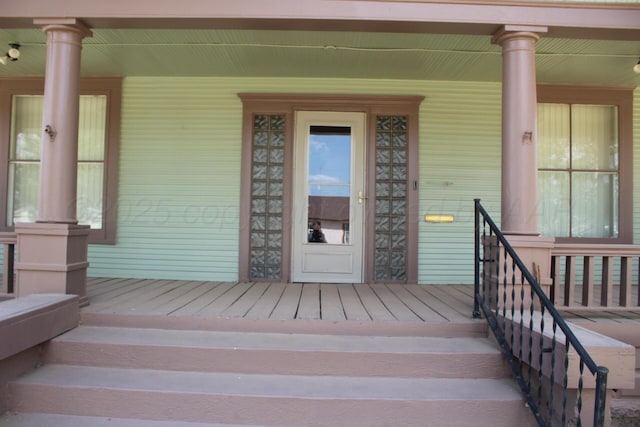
[[64, 24], [507, 32]]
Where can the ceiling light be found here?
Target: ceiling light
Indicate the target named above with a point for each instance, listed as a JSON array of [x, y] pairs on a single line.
[[12, 54], [14, 51], [636, 67]]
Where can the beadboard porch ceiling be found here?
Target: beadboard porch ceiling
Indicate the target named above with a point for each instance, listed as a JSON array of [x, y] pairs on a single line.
[[328, 54]]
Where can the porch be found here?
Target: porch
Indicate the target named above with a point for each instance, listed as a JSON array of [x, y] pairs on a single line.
[[340, 340], [356, 307], [314, 307]]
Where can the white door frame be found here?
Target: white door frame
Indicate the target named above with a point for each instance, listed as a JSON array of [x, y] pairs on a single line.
[[328, 262]]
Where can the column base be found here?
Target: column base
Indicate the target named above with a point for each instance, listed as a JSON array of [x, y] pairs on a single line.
[[535, 254], [52, 258]]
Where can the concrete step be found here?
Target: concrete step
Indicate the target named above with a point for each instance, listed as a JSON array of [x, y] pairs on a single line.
[[275, 400], [632, 392], [56, 420], [468, 328], [625, 412], [277, 353]]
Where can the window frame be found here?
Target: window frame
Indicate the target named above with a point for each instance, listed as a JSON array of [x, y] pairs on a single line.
[[623, 99], [112, 89]]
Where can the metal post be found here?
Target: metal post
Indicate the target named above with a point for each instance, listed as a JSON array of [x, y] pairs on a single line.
[[601, 396], [476, 282]]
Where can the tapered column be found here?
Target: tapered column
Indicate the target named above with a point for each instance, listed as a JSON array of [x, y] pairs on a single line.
[[519, 220], [53, 251], [58, 164], [519, 148]]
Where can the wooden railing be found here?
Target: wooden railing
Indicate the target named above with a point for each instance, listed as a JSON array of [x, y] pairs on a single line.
[[591, 278], [8, 241]]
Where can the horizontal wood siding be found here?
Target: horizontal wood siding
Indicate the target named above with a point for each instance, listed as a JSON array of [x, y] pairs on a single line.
[[180, 172], [460, 152], [180, 178], [179, 182]]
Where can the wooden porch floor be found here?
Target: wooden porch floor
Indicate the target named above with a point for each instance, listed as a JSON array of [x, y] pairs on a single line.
[[360, 303], [280, 301]]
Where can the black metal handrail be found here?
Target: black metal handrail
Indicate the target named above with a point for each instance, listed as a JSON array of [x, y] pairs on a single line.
[[534, 362]]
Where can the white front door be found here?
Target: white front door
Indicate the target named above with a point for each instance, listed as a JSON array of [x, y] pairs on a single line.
[[328, 197]]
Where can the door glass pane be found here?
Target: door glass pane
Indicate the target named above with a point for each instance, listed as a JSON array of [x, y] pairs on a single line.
[[329, 184]]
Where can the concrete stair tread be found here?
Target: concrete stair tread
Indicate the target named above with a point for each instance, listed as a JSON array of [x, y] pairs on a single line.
[[277, 341], [289, 386], [57, 420]]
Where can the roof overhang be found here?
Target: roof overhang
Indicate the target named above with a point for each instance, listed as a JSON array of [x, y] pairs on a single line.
[[610, 21]]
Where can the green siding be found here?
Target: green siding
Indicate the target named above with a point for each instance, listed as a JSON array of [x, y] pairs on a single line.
[[179, 182], [460, 148], [180, 172]]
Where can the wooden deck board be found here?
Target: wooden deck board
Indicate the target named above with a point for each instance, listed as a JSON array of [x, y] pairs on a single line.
[[436, 305], [415, 305], [101, 287], [372, 303], [116, 289], [309, 302], [186, 295], [208, 298], [144, 301], [287, 307], [225, 300], [353, 308], [446, 297], [242, 306], [267, 303], [331, 307], [179, 288], [120, 296], [287, 301], [397, 308]]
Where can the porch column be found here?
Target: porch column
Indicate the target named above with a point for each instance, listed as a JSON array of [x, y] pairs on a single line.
[[53, 251], [519, 147], [519, 216]]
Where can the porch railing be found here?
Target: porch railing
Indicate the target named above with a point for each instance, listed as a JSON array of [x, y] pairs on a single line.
[[591, 278], [532, 334], [8, 241]]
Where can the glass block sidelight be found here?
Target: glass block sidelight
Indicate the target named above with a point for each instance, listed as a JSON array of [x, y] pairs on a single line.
[[267, 174], [391, 198]]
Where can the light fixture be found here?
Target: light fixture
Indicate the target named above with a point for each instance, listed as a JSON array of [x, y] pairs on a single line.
[[12, 55], [636, 67], [14, 51]]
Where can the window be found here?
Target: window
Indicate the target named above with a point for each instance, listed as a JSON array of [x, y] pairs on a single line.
[[98, 137], [584, 169]]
